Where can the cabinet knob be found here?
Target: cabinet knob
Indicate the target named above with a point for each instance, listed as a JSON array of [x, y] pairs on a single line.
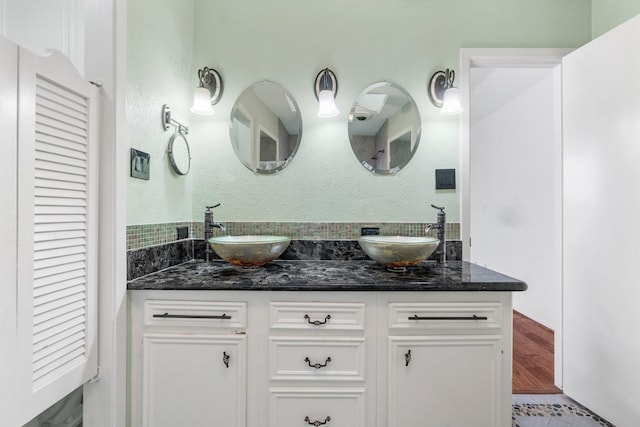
[[317, 322], [317, 423], [407, 358], [317, 365], [225, 358]]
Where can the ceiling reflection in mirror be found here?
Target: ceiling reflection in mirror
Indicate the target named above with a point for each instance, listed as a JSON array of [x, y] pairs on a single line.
[[265, 127], [384, 128]]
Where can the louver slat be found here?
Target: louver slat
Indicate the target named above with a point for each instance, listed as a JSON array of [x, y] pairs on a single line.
[[47, 245], [56, 137], [44, 341], [60, 231], [66, 281], [64, 343], [51, 145], [58, 361]]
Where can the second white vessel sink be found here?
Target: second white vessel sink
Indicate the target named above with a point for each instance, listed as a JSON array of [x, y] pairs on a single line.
[[398, 251]]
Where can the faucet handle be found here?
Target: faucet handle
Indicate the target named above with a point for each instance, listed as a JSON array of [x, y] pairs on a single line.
[[438, 207], [211, 207]]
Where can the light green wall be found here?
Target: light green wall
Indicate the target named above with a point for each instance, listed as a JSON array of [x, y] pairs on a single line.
[[160, 71], [289, 41], [608, 14]]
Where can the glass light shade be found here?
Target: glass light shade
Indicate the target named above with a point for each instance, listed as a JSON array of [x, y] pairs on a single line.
[[202, 102], [327, 103], [451, 102]]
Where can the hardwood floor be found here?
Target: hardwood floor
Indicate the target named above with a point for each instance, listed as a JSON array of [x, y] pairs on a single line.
[[532, 357]]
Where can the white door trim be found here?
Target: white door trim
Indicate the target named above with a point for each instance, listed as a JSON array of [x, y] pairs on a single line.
[[496, 58], [490, 58]]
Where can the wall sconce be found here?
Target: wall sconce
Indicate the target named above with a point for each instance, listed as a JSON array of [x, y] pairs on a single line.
[[443, 94], [208, 93], [326, 89]]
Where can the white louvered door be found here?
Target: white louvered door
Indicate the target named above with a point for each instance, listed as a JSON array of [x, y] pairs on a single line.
[[57, 230]]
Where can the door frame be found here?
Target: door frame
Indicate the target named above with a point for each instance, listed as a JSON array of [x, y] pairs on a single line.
[[490, 58], [496, 58]]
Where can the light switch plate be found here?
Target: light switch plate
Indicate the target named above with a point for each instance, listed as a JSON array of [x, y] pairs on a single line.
[[140, 164], [445, 179]]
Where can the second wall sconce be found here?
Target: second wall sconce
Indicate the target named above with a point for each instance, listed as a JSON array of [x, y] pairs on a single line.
[[443, 94], [326, 89], [208, 93]]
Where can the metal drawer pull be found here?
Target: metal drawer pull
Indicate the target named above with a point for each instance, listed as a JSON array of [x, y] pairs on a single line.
[[317, 423], [317, 322], [225, 358], [317, 365], [474, 317], [190, 316], [407, 358]]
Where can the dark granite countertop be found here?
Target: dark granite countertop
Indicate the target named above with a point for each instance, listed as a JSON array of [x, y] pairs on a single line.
[[281, 275]]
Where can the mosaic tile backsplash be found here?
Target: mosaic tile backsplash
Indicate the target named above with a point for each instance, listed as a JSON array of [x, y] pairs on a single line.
[[155, 247], [142, 236]]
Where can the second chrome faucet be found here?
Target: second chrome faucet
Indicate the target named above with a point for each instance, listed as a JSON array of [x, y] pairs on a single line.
[[440, 227]]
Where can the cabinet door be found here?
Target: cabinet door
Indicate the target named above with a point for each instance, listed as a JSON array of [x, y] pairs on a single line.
[[445, 381], [194, 380]]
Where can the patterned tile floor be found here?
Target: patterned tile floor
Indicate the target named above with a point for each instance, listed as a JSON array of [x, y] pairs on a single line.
[[552, 410]]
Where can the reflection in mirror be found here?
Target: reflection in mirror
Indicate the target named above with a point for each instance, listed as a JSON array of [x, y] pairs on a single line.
[[265, 128], [384, 128]]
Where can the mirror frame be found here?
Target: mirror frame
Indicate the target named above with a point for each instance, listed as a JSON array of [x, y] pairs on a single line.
[[177, 168]]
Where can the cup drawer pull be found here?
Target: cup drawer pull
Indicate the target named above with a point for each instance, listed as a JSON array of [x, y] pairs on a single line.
[[474, 317], [317, 322], [317, 423], [191, 316], [317, 365]]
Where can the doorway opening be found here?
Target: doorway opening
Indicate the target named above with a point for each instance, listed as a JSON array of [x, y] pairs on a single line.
[[533, 357], [511, 162]]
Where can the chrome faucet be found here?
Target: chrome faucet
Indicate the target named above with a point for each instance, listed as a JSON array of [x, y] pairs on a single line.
[[209, 225], [440, 226]]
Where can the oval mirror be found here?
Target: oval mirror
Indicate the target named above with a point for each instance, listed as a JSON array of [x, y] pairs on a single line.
[[384, 128], [265, 128], [179, 153]]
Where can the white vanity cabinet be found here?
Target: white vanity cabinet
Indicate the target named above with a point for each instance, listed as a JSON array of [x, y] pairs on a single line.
[[447, 360], [340, 359], [188, 363]]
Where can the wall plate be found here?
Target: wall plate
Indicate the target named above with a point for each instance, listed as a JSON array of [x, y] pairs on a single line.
[[140, 164], [445, 179]]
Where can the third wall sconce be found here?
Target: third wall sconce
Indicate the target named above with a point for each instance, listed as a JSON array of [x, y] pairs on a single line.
[[443, 94]]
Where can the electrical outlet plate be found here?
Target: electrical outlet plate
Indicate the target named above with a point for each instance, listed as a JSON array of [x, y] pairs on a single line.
[[182, 232], [370, 231]]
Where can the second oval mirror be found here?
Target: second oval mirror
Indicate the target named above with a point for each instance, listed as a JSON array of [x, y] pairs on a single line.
[[266, 127], [384, 128]]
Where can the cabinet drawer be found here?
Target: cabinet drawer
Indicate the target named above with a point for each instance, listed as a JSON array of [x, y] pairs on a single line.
[[200, 314], [445, 316], [328, 316], [305, 407], [297, 359]]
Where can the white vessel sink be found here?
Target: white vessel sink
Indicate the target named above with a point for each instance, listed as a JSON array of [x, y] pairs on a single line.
[[249, 251], [398, 251]]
